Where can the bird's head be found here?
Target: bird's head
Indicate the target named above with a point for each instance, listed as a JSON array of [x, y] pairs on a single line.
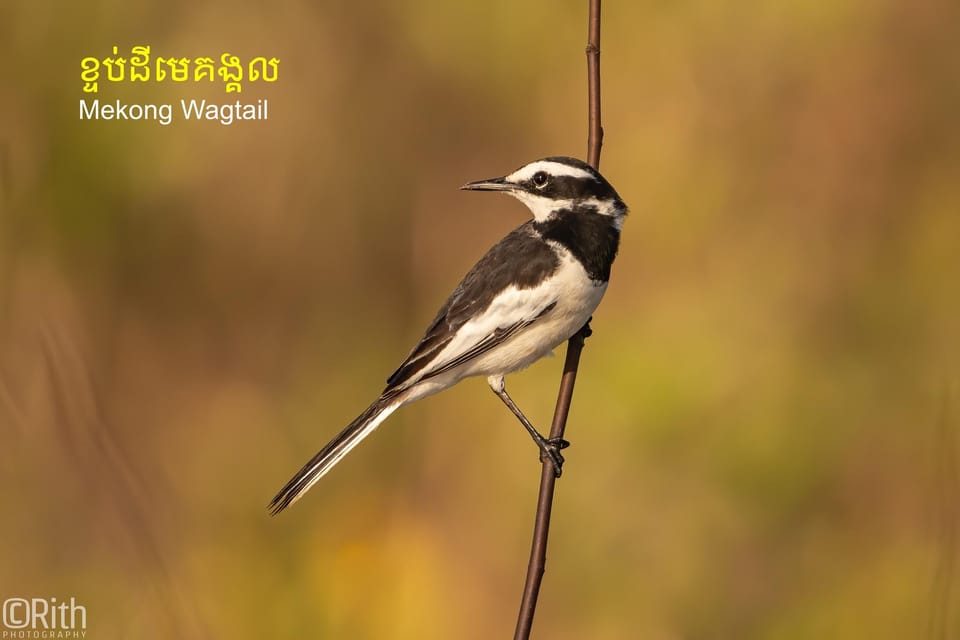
[[553, 185]]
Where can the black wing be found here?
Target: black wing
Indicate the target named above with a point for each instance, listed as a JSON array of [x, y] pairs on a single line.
[[521, 259]]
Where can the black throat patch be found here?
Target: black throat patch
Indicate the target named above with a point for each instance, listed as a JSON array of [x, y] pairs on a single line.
[[587, 234]]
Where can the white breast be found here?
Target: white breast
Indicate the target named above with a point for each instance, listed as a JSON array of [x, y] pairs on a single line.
[[576, 297]]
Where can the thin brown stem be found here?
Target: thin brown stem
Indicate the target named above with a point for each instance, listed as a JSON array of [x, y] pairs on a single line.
[[548, 479], [595, 131]]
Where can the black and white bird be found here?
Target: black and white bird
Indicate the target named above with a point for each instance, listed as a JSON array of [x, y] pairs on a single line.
[[532, 291]]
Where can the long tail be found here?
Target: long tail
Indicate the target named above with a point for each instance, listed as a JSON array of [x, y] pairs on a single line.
[[330, 455]]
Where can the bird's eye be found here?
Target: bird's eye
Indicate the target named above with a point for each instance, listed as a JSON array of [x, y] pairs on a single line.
[[540, 179]]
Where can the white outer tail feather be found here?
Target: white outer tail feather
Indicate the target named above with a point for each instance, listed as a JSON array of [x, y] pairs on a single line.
[[322, 467], [327, 458]]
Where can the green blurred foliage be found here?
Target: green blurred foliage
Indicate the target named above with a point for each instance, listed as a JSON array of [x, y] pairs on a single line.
[[765, 429]]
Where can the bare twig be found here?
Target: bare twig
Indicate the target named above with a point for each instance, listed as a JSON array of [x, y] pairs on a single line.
[[541, 528], [595, 132]]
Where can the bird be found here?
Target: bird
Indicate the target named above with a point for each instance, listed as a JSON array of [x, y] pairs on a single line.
[[528, 294]]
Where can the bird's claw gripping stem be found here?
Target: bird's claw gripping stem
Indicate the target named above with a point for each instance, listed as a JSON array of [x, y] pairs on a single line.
[[551, 450]]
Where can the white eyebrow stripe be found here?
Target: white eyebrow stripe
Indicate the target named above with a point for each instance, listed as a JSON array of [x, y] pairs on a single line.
[[553, 168]]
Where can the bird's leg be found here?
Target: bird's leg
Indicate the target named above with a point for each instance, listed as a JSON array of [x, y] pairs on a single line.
[[549, 447]]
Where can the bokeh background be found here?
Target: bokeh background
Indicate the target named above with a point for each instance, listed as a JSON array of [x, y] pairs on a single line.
[[765, 429]]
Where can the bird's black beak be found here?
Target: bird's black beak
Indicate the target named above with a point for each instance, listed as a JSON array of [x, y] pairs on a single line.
[[493, 184]]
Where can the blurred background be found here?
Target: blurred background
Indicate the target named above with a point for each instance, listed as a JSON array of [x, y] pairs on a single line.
[[765, 428]]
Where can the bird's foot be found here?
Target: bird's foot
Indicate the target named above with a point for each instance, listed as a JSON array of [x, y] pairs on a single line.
[[585, 331], [550, 449]]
